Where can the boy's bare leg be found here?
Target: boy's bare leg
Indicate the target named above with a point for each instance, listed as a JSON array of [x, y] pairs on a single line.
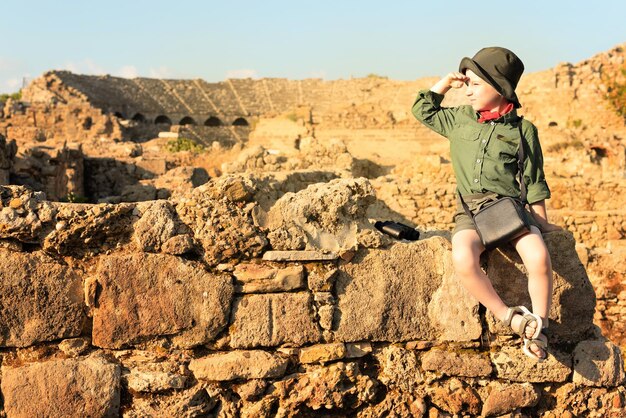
[[466, 250], [534, 253]]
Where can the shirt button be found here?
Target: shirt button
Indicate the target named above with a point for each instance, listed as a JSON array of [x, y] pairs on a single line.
[[478, 160], [484, 140], [475, 180], [493, 123]]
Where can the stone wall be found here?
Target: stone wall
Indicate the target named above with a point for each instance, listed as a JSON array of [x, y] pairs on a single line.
[[212, 304]]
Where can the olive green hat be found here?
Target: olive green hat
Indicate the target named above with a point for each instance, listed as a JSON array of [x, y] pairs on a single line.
[[499, 67]]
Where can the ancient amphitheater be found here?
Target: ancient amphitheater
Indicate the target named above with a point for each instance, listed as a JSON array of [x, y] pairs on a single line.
[[185, 248]]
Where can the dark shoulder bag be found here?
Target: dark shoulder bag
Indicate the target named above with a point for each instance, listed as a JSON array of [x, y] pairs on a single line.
[[501, 221]]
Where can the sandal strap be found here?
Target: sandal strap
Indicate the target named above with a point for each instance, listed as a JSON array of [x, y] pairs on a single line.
[[510, 313], [526, 318], [522, 325], [537, 320], [541, 341]]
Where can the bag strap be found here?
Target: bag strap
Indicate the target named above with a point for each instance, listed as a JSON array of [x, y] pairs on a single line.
[[521, 155]]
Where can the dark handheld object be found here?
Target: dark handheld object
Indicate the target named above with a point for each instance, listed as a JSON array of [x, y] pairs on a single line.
[[397, 230]]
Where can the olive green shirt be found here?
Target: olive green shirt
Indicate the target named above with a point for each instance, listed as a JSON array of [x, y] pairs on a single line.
[[484, 154]]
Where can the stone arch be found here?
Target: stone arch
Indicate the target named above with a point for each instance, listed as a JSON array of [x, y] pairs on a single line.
[[213, 121], [162, 120], [240, 122], [187, 120], [138, 117], [553, 123]]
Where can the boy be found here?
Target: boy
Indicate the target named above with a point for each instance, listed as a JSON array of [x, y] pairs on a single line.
[[484, 140]]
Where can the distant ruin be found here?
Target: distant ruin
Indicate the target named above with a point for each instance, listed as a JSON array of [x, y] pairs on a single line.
[[105, 120]]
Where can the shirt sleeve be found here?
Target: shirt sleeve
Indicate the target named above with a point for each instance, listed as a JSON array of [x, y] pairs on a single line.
[[536, 186], [428, 110]]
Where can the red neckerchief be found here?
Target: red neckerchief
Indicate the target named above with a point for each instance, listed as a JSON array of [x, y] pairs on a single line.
[[486, 115]]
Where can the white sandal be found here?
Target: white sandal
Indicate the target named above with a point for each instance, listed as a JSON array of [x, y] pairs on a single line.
[[541, 341], [527, 317]]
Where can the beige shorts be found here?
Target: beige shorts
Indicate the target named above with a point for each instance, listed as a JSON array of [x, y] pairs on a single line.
[[475, 202]]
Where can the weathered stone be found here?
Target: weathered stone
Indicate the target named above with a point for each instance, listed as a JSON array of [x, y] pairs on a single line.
[[153, 381], [573, 299], [420, 345], [396, 404], [40, 299], [74, 347], [90, 291], [511, 363], [465, 363], [321, 277], [179, 244], [399, 368], [70, 387], [335, 386], [304, 255], [89, 228], [224, 230], [30, 222], [264, 408], [598, 363], [138, 192], [251, 389], [258, 278], [153, 165], [239, 364], [455, 397], [182, 178], [288, 351], [192, 402], [273, 319], [403, 293], [328, 216], [237, 190], [147, 295], [505, 398], [156, 225], [359, 349], [320, 353], [326, 313], [11, 245], [323, 298]]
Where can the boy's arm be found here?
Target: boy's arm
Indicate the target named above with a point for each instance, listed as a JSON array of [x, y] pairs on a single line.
[[537, 190], [427, 106], [540, 214]]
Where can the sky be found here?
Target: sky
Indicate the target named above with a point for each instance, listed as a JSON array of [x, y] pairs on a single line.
[[402, 40]]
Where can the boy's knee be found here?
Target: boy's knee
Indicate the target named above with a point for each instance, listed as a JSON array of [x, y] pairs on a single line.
[[540, 262], [463, 259], [466, 250]]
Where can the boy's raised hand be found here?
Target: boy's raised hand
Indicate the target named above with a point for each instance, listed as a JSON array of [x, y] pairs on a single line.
[[452, 80], [456, 79]]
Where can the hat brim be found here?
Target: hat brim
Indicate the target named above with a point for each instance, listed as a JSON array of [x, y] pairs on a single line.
[[468, 63]]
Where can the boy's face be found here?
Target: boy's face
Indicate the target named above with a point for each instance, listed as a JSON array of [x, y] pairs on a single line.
[[481, 94]]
